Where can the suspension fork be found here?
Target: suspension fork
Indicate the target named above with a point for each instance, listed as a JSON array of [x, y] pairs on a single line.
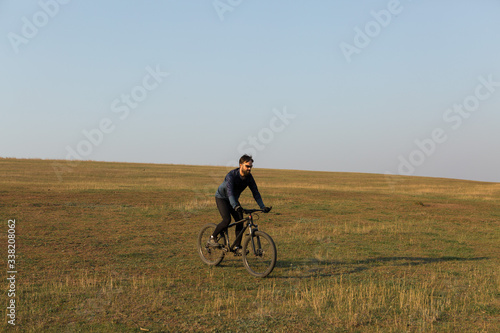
[[254, 240]]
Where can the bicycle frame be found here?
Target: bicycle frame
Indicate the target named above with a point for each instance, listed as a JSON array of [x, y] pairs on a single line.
[[249, 225]]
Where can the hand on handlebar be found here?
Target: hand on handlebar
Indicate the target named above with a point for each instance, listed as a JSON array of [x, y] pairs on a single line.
[[239, 209]]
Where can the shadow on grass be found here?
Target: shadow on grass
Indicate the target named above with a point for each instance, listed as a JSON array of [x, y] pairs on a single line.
[[305, 268], [230, 260]]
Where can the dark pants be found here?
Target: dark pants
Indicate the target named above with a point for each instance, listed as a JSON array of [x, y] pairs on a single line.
[[226, 211]]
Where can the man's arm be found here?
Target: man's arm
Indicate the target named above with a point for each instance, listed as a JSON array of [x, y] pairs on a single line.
[[256, 194], [230, 191]]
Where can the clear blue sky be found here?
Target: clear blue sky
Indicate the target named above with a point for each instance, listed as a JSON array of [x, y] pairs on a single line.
[[400, 87]]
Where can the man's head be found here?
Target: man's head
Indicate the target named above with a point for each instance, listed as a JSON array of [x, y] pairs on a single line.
[[246, 164]]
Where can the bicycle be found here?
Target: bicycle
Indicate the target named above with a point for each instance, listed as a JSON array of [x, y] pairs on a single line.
[[258, 248]]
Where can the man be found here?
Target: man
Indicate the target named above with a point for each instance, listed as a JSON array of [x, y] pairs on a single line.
[[227, 196]]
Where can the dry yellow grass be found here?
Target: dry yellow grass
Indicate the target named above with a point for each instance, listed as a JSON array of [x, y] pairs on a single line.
[[110, 247]]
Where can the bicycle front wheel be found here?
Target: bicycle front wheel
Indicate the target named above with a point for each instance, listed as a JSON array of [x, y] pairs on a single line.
[[259, 254], [210, 255]]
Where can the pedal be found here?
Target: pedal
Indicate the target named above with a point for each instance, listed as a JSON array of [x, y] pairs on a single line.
[[239, 252]]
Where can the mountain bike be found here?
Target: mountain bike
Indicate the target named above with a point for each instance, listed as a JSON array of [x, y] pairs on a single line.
[[258, 249]]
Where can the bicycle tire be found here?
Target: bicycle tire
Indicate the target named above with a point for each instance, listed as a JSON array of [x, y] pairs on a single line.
[[210, 255], [261, 262]]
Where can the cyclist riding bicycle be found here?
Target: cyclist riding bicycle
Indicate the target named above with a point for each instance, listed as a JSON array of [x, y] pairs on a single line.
[[227, 196]]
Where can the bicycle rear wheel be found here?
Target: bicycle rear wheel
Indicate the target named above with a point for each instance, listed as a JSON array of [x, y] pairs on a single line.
[[210, 255], [259, 254]]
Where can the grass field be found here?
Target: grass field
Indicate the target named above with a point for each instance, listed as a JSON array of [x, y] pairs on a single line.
[[111, 247]]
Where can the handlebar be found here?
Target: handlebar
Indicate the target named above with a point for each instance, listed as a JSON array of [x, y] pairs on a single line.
[[250, 211]]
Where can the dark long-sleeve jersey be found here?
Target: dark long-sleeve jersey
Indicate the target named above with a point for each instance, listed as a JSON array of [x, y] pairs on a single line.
[[234, 184]]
